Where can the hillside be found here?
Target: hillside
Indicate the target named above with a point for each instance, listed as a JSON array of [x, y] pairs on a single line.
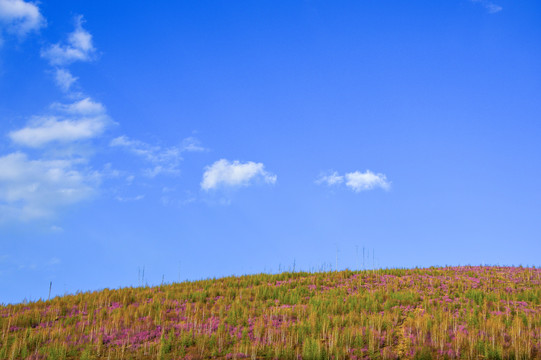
[[434, 313]]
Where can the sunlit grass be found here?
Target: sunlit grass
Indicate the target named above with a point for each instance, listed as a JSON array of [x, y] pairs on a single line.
[[435, 313]]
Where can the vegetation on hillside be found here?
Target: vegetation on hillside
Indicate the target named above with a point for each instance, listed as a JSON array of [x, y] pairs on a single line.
[[436, 313]]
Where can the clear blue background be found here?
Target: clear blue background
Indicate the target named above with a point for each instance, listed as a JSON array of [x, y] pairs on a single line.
[[441, 97]]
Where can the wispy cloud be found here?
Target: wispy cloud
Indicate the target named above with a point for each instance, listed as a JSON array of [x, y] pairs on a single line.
[[330, 179], [151, 153], [52, 166], [191, 144], [37, 188], [79, 47], [163, 160], [129, 198], [84, 107], [356, 181], [64, 79], [20, 17], [81, 120], [491, 7], [171, 197], [58, 171], [234, 174]]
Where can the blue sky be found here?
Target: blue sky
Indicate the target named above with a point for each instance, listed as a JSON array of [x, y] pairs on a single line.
[[204, 139]]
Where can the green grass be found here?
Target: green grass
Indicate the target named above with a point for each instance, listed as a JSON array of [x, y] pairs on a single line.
[[435, 313]]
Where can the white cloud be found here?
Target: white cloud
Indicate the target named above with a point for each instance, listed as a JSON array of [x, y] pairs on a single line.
[[64, 79], [82, 120], [359, 181], [37, 188], [49, 129], [78, 48], [171, 168], [330, 179], [151, 153], [489, 6], [493, 8], [56, 173], [85, 106], [130, 199], [192, 144], [164, 160], [233, 174], [356, 181], [20, 17]]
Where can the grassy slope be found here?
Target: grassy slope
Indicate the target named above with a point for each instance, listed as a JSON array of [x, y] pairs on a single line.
[[460, 312]]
